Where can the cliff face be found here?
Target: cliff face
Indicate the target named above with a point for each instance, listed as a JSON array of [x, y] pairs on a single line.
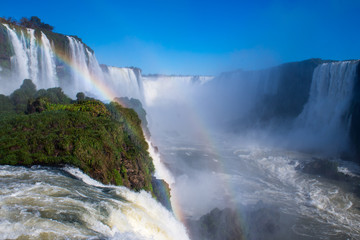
[[138, 108], [317, 100], [55, 60], [110, 148], [262, 96], [293, 87], [6, 51], [354, 115]]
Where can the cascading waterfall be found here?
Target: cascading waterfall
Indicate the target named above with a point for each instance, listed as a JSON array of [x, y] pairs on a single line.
[[33, 54], [32, 59], [20, 61], [324, 115], [47, 63], [158, 88], [80, 71], [87, 209], [93, 64], [125, 81], [35, 58]]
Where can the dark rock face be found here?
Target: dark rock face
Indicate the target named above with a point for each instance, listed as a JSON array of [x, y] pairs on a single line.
[[274, 94], [355, 117], [321, 167], [254, 222], [218, 225], [162, 192], [138, 108], [294, 82], [263, 222]]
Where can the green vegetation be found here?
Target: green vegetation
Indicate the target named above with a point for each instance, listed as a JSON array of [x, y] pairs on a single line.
[[32, 22], [20, 98], [104, 141], [5, 104], [137, 106]]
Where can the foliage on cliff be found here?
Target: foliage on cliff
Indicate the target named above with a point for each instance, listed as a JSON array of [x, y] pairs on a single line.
[[32, 22], [137, 106], [105, 141]]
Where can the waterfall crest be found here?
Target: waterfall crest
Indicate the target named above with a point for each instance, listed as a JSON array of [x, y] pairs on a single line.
[[325, 113], [33, 58], [330, 95]]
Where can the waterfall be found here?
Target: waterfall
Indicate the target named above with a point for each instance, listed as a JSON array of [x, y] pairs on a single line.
[[32, 60], [324, 115], [20, 61], [32, 53], [93, 64], [80, 70], [164, 88], [35, 58], [125, 81], [48, 66]]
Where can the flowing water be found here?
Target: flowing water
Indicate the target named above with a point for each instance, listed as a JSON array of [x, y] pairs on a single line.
[[47, 203], [205, 172], [238, 175], [32, 59]]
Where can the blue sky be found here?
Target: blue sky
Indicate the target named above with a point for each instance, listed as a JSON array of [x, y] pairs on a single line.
[[203, 37]]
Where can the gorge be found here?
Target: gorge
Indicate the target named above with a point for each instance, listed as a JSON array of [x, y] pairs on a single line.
[[242, 142]]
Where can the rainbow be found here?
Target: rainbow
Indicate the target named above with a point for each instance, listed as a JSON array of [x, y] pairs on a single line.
[[207, 140], [107, 92], [98, 83]]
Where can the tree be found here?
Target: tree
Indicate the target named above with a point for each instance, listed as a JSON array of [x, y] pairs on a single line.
[[35, 22], [80, 96], [21, 96], [28, 87], [54, 95]]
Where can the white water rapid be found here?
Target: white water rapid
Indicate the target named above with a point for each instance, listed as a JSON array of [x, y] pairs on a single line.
[[45, 203]]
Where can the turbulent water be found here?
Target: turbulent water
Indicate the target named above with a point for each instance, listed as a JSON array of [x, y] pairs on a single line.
[[46, 203], [252, 173], [206, 170], [232, 173]]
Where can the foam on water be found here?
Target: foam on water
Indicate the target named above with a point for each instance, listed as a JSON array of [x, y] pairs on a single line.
[[308, 195], [43, 203], [161, 172]]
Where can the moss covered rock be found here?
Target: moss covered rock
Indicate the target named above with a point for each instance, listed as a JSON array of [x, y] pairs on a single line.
[[109, 146]]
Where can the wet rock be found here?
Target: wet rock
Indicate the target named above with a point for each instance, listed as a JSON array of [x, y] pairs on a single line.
[[321, 167], [161, 190], [217, 225]]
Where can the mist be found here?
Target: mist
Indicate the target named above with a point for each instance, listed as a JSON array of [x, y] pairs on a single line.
[[224, 138], [258, 151]]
